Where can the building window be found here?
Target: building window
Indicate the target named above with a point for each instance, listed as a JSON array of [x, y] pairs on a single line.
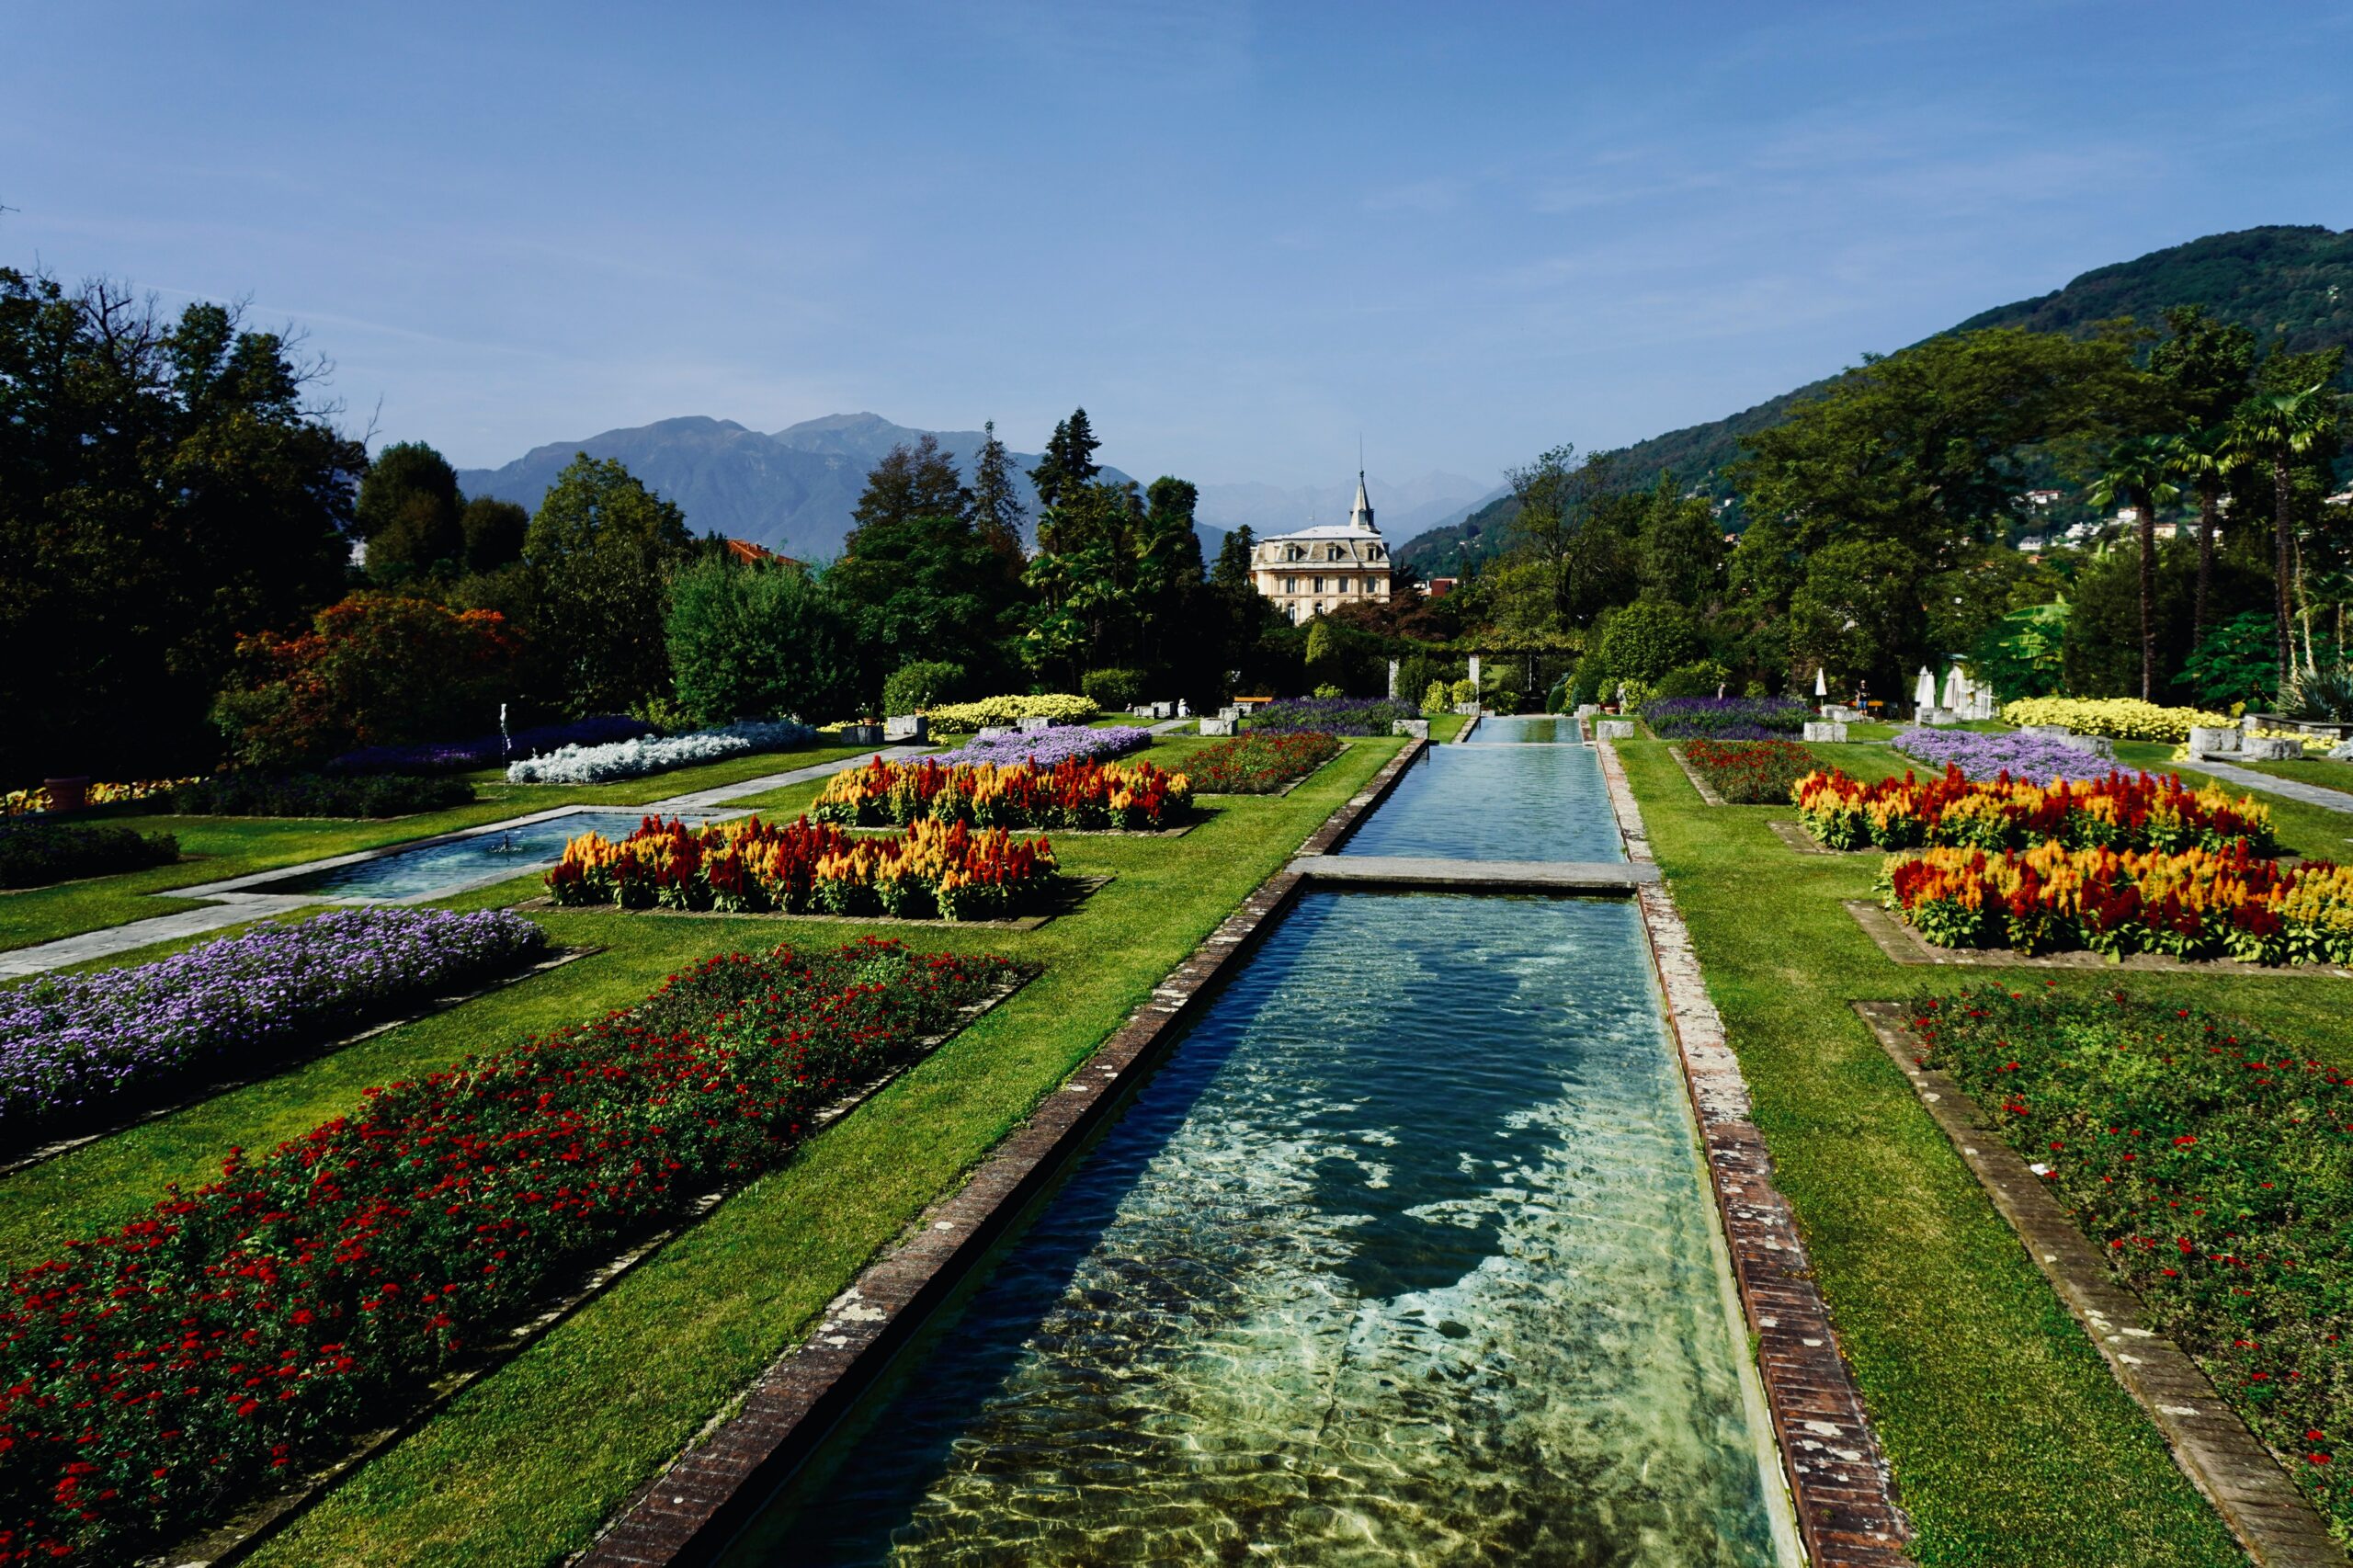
[[1319, 588], [1339, 584], [1334, 553], [1290, 585], [1295, 553]]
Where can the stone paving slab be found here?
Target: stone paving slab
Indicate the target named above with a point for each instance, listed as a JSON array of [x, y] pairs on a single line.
[[1529, 876], [2213, 1447], [1795, 835], [106, 942], [719, 795], [2319, 795]]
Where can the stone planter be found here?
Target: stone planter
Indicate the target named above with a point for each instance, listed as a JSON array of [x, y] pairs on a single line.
[[1228, 712], [907, 727], [2262, 748], [1417, 728], [1036, 722], [70, 794], [1466, 709], [2214, 740], [1163, 710], [995, 731], [1613, 729], [2092, 746], [862, 734], [1587, 709], [2329, 727], [1217, 726], [1830, 730]]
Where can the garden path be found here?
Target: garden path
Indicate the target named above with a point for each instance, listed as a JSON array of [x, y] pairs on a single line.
[[2327, 800], [703, 799]]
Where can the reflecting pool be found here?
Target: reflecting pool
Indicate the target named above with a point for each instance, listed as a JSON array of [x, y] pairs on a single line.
[[1404, 1254], [432, 869], [1496, 802], [1536, 729]]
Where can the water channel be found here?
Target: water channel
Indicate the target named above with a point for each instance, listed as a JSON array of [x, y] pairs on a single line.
[[433, 871], [1403, 1255]]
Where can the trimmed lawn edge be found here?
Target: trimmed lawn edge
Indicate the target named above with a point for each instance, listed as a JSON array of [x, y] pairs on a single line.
[[1904, 945], [2221, 1456], [706, 1494]]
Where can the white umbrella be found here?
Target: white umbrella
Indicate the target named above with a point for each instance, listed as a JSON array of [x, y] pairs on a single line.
[[1925, 693], [1821, 683], [1956, 687]]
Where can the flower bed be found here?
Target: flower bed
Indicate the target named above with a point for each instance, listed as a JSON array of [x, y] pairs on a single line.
[[963, 718], [1726, 718], [2125, 717], [2313, 745], [2115, 811], [1332, 715], [23, 802], [80, 1050], [1259, 765], [2213, 1167], [2195, 905], [34, 854], [1133, 796], [1044, 748], [1750, 773], [157, 1379], [318, 795], [489, 751], [643, 754], [944, 869], [2021, 756]]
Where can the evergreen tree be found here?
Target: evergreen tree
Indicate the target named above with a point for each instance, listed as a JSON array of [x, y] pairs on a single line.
[[1682, 548], [1068, 462], [494, 532], [408, 513], [996, 506], [599, 555], [920, 480], [1233, 573]]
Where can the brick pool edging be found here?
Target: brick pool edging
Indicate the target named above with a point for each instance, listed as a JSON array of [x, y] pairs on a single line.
[[1839, 1481], [688, 1510]]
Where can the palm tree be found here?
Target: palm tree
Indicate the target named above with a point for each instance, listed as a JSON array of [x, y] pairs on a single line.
[[2277, 430], [2140, 476], [2206, 458]]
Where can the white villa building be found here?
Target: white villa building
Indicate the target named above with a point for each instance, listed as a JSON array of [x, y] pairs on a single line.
[[1320, 569]]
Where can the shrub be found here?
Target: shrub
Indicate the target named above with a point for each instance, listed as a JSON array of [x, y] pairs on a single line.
[[255, 1327], [912, 688], [2208, 1163], [1070, 794], [79, 1050], [962, 718], [1436, 697], [757, 641], [2194, 905], [2320, 695], [1645, 640], [1750, 773], [1631, 696], [493, 750], [34, 854], [317, 795], [635, 758], [2125, 717], [1703, 678], [2112, 812], [374, 668], [1724, 718], [1259, 764], [1417, 673], [1462, 691], [1113, 690], [937, 868], [24, 802]]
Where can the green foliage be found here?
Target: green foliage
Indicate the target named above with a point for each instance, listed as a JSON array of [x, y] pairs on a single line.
[[2325, 693], [1323, 653], [2020, 656], [2102, 653], [1113, 690], [1068, 462], [911, 481], [37, 852], [409, 512], [1859, 614], [317, 795], [1701, 678], [1118, 582], [913, 686], [1462, 691], [757, 641], [494, 531], [598, 554], [2235, 662], [1683, 549], [1328, 691], [929, 587], [1415, 672], [374, 669], [1437, 698], [996, 509], [163, 488], [1646, 639]]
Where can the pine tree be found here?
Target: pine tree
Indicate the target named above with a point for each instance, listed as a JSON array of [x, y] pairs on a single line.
[[1069, 460], [997, 511]]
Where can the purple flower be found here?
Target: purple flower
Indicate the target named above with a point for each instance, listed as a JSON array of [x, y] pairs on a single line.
[[1726, 718], [1332, 715], [1043, 748], [2022, 755], [84, 1047]]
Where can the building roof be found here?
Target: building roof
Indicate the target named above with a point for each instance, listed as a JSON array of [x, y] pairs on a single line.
[[752, 555], [1324, 530]]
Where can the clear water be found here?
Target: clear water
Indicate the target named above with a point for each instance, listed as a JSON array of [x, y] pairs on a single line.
[[1404, 1256], [434, 868], [1474, 802], [1540, 729]]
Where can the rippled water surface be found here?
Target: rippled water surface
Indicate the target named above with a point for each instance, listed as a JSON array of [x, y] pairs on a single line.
[[1496, 802], [460, 862], [1540, 729], [1403, 1257]]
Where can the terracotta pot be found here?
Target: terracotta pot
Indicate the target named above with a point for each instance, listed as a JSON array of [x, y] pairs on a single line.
[[68, 794]]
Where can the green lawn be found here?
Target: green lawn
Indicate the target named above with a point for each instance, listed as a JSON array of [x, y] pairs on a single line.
[[523, 1467], [2011, 1442], [2319, 770], [220, 847]]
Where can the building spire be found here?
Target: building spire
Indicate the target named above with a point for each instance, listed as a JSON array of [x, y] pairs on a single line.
[[1360, 515]]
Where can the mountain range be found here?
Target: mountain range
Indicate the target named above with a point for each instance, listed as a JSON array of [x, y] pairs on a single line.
[[2291, 285], [793, 490]]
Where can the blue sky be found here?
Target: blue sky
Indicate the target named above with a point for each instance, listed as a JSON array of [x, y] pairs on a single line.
[[1238, 235]]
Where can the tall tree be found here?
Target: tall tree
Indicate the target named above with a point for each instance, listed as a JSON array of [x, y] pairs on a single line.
[[410, 513], [1683, 548], [598, 556], [1068, 462], [997, 510], [494, 532], [926, 588], [918, 480], [167, 485], [2207, 367], [2205, 458], [2275, 430], [2139, 475], [757, 641]]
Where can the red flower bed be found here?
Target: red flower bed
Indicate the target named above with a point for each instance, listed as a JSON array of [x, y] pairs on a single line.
[[1750, 773], [1258, 764], [157, 1379]]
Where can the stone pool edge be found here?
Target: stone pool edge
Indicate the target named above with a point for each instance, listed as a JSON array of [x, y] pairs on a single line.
[[1839, 1481], [688, 1510]]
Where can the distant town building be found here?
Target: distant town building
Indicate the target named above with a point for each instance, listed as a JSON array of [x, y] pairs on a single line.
[[745, 552], [2041, 498], [2032, 543], [1320, 569], [1441, 586]]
